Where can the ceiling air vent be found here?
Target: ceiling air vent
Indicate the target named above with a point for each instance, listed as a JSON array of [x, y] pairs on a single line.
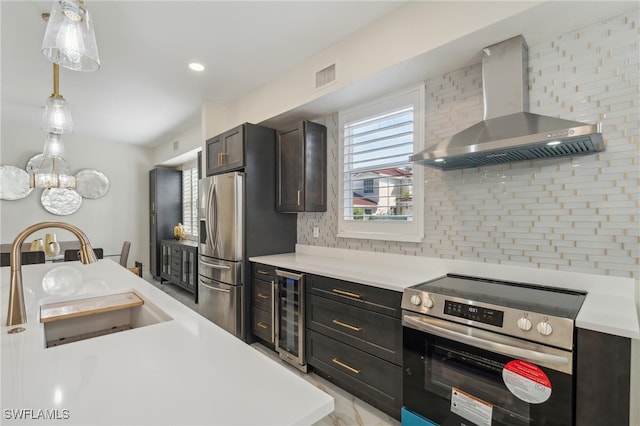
[[326, 76]]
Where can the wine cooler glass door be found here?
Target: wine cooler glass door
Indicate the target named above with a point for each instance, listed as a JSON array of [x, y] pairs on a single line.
[[290, 317]]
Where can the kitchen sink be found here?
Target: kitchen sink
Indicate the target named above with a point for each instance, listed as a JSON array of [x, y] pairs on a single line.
[[81, 319]]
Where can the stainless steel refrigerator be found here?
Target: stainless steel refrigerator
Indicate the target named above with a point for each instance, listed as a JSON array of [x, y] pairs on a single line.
[[221, 250], [238, 220]]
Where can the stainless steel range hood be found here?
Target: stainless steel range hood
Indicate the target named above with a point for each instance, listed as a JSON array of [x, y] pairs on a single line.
[[509, 132]]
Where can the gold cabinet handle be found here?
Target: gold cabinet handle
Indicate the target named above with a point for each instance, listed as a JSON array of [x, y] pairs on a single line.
[[346, 293], [261, 272], [262, 325], [262, 296], [221, 160], [345, 325], [299, 196], [343, 365]]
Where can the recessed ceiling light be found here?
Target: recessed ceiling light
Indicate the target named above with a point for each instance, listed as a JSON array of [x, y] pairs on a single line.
[[196, 66]]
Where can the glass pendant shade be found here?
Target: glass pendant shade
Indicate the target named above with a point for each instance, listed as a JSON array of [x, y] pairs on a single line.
[[53, 171], [69, 39], [57, 116]]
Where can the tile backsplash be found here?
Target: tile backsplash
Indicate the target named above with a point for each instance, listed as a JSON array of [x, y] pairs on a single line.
[[575, 214]]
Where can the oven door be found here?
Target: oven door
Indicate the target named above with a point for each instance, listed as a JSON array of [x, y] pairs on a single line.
[[457, 375]]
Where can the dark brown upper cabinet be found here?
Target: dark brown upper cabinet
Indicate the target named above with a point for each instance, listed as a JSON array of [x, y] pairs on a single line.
[[225, 152], [302, 168]]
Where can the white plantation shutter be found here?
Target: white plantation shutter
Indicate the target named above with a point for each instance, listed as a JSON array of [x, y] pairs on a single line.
[[376, 160], [190, 200], [377, 177]]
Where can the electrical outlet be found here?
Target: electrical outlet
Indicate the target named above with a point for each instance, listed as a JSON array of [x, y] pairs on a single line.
[[316, 232]]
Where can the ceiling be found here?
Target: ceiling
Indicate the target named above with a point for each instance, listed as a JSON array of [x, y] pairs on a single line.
[[144, 92]]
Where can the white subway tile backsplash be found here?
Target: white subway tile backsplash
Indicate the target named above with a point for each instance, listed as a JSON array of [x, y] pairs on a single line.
[[575, 214]]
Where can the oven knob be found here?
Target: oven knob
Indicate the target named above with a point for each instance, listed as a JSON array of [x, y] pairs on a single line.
[[416, 300], [524, 324], [428, 303], [544, 328]]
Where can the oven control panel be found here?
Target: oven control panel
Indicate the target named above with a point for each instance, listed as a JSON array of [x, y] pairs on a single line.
[[474, 313], [532, 326]]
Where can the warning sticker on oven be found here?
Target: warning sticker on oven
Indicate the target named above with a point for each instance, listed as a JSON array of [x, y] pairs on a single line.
[[471, 408], [526, 381]]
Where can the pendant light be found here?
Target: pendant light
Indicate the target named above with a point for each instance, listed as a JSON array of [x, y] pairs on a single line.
[[69, 39], [57, 116], [53, 171]]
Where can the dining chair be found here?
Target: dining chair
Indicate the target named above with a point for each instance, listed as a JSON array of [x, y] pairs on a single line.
[[124, 254], [74, 254], [28, 258]]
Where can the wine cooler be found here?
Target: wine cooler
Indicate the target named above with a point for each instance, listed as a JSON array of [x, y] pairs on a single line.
[[289, 318]]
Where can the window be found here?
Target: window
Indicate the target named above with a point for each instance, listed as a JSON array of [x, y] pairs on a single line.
[[190, 199], [379, 198]]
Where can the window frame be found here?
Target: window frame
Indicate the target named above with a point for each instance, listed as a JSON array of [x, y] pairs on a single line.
[[189, 230], [408, 231]]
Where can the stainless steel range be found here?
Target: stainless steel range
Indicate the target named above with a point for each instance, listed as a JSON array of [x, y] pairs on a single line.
[[487, 352]]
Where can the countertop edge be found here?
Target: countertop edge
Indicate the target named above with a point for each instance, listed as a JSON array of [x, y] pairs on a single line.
[[371, 268]]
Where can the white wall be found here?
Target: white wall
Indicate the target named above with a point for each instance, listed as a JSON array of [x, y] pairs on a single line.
[[187, 141], [120, 215], [406, 33]]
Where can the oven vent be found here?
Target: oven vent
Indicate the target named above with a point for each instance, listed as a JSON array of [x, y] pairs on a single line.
[[326, 76], [578, 146]]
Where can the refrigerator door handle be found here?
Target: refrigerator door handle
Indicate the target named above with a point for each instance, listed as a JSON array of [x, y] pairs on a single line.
[[222, 290], [213, 265], [210, 208]]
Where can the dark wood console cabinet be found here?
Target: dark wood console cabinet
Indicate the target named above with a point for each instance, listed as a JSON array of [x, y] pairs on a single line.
[[180, 264], [165, 211]]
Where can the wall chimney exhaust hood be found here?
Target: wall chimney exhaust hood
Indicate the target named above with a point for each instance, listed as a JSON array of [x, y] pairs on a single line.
[[509, 132]]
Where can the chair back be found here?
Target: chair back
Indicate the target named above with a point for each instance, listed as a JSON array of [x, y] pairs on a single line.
[[28, 258], [124, 255], [74, 254]]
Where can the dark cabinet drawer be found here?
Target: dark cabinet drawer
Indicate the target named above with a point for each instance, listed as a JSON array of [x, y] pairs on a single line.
[[262, 292], [370, 378], [380, 335], [263, 272], [376, 299], [262, 324]]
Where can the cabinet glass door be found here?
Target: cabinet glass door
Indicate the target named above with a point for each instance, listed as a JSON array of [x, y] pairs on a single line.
[[166, 259]]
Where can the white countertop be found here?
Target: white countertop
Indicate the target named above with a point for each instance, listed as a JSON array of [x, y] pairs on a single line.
[[609, 306], [183, 371]]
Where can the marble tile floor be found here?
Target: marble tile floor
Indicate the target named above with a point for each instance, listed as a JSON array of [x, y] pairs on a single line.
[[178, 293], [349, 410]]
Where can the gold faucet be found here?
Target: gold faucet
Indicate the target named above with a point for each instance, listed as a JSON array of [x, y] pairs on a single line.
[[16, 313]]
